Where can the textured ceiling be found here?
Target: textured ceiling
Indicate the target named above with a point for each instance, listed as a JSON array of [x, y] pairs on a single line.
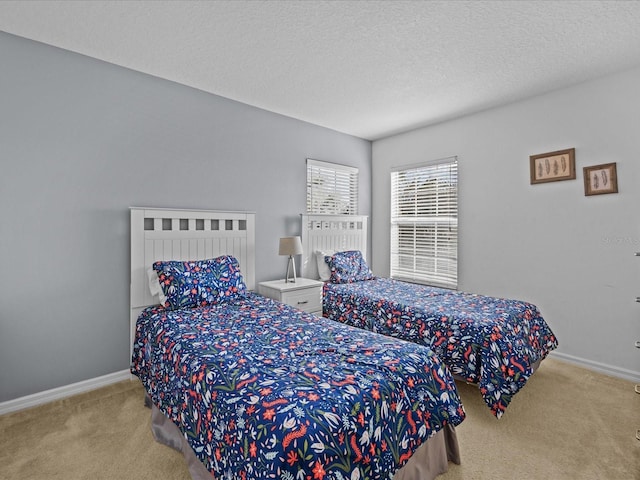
[[366, 68]]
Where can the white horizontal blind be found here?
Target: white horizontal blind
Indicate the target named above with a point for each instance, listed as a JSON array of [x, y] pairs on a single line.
[[424, 223], [331, 188]]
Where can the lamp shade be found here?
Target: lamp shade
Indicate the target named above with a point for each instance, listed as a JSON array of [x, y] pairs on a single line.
[[290, 246]]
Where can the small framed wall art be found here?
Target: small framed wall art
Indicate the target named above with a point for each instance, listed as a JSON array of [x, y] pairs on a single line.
[[553, 166], [599, 179]]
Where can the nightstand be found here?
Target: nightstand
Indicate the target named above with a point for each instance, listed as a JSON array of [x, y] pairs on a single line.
[[305, 294]]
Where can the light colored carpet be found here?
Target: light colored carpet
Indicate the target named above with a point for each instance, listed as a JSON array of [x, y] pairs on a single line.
[[103, 435], [567, 423]]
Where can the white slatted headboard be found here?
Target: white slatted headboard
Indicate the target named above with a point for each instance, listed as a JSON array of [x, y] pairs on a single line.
[[172, 234], [331, 232]]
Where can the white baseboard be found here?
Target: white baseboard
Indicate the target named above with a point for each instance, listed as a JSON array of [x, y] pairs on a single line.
[[47, 396], [598, 367]]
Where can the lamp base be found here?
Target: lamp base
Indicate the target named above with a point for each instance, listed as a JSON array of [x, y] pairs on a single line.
[[291, 263]]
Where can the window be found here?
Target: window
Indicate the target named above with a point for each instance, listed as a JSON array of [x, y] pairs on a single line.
[[331, 188], [424, 223]]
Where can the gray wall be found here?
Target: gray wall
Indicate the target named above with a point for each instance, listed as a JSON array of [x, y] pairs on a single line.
[[571, 255], [80, 142]]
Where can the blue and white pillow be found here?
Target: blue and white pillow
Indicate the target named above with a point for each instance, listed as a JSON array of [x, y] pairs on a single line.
[[188, 284], [349, 266]]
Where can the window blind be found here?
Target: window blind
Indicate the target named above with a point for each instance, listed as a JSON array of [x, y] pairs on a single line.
[[331, 188], [424, 223]]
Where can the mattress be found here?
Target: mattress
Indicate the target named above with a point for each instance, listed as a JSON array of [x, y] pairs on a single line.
[[493, 342], [260, 390]]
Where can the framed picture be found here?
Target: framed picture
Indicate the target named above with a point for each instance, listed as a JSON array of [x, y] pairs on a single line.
[[599, 179], [553, 166]]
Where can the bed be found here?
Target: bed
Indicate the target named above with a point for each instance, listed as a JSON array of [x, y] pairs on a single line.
[[250, 388], [493, 342]]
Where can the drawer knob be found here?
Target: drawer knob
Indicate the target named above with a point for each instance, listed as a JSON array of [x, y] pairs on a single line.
[[307, 301]]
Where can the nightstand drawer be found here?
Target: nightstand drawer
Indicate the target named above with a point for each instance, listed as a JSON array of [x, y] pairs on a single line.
[[304, 294], [308, 299]]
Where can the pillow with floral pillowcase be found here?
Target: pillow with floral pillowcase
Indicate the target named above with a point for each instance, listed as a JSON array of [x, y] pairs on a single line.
[[229, 277], [180, 282], [188, 284], [349, 266]]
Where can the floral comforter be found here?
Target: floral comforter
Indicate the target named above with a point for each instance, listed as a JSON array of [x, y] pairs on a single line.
[[263, 391], [493, 342]]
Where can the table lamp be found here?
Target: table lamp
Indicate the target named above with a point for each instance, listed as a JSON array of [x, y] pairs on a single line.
[[290, 246]]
